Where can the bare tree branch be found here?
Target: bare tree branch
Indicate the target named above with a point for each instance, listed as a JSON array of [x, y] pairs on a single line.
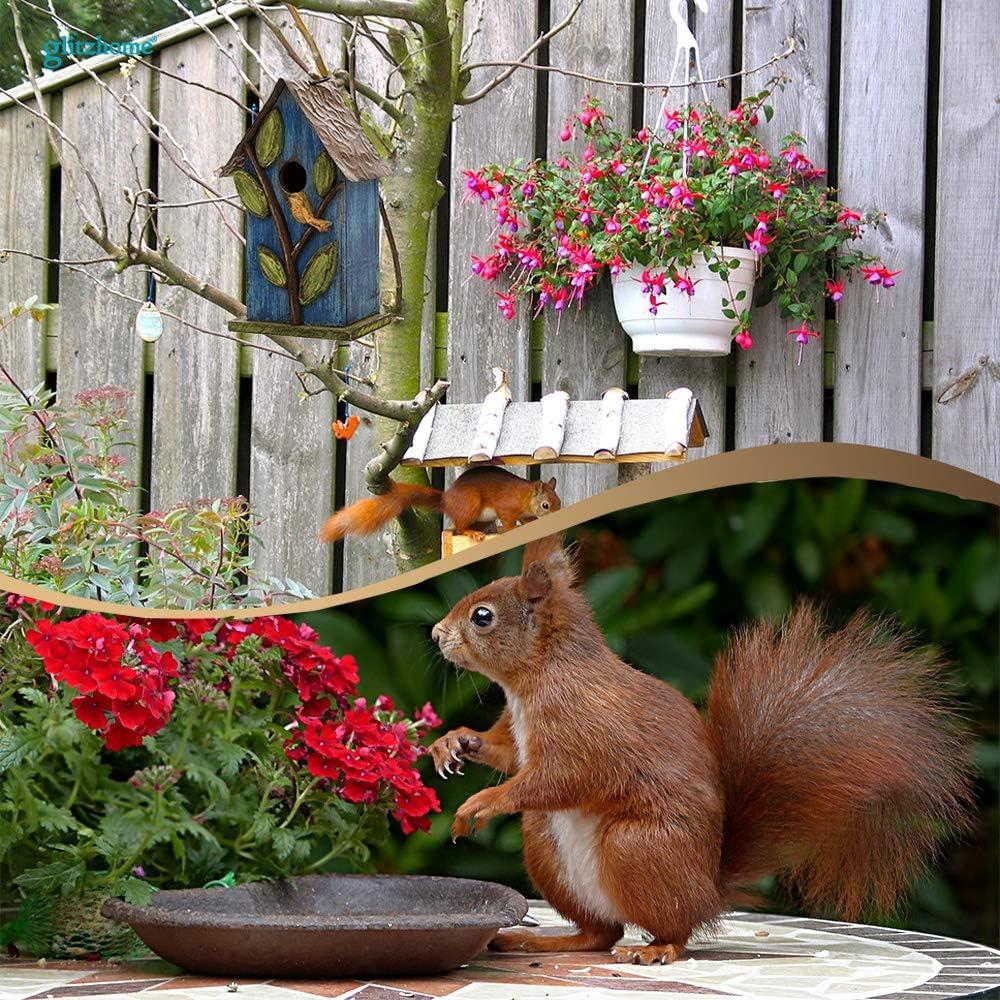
[[521, 61], [404, 10], [54, 130], [307, 37], [639, 84], [371, 94]]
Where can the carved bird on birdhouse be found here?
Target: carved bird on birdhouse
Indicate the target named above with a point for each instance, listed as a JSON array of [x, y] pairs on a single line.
[[302, 210]]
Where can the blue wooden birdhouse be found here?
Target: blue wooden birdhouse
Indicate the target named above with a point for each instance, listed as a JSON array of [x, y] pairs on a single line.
[[308, 177]]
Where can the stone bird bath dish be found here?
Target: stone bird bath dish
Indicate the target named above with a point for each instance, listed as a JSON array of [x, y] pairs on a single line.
[[324, 926]]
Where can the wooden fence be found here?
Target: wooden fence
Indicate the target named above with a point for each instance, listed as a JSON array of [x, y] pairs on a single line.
[[897, 98]]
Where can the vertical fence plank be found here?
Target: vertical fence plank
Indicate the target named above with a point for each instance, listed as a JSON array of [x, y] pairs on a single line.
[[776, 399], [883, 94], [498, 129], [291, 441], [587, 354], [705, 377], [97, 340], [195, 419], [24, 209], [968, 221]]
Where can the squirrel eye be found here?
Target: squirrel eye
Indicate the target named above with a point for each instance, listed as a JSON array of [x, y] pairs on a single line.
[[545, 505], [482, 617]]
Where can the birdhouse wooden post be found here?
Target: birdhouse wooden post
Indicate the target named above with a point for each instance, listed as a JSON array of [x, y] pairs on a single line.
[[308, 177]]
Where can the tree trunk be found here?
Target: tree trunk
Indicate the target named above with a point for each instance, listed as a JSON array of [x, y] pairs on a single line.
[[411, 195]]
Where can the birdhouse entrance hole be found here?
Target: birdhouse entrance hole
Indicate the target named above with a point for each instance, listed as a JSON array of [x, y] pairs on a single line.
[[292, 176]]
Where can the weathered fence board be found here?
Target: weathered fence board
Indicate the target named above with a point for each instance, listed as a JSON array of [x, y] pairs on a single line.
[[195, 419], [878, 339], [498, 129], [97, 340], [778, 400], [585, 353], [966, 327], [291, 440], [706, 377], [24, 209]]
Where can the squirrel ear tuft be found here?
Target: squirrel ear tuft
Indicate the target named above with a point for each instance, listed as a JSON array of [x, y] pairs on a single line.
[[551, 483], [536, 584], [557, 559]]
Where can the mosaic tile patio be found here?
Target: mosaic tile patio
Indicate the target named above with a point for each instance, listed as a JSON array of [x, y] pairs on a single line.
[[756, 955]]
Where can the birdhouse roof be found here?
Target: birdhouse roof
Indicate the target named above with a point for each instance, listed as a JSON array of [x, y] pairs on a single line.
[[613, 429], [333, 122]]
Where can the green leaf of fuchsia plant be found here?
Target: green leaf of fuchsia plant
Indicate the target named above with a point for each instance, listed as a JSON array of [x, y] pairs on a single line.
[[702, 179]]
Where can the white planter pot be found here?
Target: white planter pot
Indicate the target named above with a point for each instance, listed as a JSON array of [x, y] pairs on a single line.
[[692, 325]]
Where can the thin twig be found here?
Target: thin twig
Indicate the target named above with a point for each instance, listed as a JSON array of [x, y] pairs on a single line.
[[522, 59], [788, 50]]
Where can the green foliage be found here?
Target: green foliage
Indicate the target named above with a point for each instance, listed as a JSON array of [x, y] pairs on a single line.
[[68, 519], [669, 581]]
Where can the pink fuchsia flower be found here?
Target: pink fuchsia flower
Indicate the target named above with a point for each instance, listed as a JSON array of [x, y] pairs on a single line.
[[671, 120], [640, 220], [612, 226], [758, 240], [486, 267], [653, 283], [616, 265], [849, 217], [683, 283], [802, 334], [880, 275], [565, 133], [643, 134], [835, 289], [505, 303], [589, 153], [654, 305], [618, 168], [530, 258], [590, 114], [528, 189], [478, 186], [744, 339], [777, 190], [681, 196]]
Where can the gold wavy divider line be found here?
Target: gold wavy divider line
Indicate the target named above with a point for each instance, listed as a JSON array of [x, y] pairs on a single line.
[[768, 463]]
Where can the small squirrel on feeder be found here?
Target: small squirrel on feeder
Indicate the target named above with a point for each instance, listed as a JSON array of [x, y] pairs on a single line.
[[482, 495], [826, 758]]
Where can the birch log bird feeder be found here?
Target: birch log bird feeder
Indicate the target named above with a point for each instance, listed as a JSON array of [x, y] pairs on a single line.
[[307, 176], [557, 429]]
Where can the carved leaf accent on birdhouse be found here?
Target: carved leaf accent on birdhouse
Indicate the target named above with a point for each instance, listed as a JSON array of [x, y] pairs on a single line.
[[271, 266], [270, 138], [251, 194], [317, 275], [324, 173]]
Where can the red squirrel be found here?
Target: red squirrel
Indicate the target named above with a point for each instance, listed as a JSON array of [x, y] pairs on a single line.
[[825, 758], [486, 493]]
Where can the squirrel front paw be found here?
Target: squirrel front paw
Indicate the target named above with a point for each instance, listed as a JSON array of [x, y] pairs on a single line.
[[450, 751], [474, 813]]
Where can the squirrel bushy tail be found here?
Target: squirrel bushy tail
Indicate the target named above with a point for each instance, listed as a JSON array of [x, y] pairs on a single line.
[[372, 513], [842, 765]]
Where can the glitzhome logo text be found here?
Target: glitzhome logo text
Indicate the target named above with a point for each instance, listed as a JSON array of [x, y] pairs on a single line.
[[56, 50]]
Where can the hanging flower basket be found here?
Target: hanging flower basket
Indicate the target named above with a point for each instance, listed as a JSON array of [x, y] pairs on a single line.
[[683, 216], [665, 318]]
